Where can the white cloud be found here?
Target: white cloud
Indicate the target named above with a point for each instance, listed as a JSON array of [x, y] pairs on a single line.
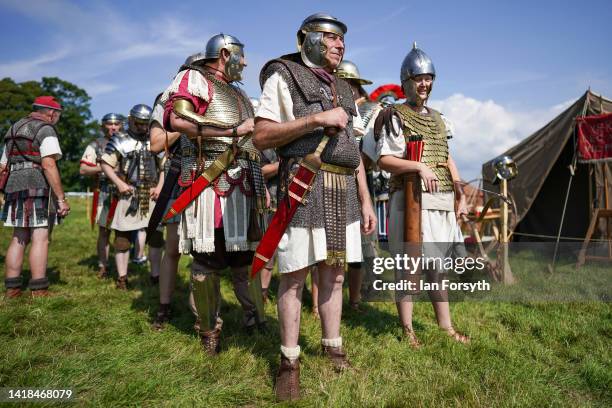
[[484, 129], [29, 68], [101, 40]]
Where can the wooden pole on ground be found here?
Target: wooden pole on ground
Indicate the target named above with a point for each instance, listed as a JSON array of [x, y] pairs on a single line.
[[507, 276]]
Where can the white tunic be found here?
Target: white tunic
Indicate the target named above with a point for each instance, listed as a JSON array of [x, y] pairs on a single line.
[[301, 247]]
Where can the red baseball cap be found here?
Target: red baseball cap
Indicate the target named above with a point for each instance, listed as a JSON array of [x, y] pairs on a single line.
[[47, 102]]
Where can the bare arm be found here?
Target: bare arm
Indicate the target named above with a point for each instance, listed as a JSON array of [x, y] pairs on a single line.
[[192, 130], [89, 171], [270, 134], [269, 170], [154, 191], [122, 186], [55, 182], [461, 204], [52, 176], [367, 210], [158, 137], [395, 165]]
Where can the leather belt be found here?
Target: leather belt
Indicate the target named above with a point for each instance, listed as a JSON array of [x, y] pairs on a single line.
[[332, 168], [25, 165]]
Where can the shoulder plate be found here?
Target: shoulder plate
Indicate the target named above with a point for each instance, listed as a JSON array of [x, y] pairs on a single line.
[[121, 143]]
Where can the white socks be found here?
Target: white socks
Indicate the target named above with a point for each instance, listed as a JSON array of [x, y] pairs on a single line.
[[337, 342], [292, 353]]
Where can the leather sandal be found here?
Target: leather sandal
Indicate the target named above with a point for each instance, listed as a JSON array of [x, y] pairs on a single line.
[[411, 338], [455, 335], [287, 387], [210, 340], [337, 357]]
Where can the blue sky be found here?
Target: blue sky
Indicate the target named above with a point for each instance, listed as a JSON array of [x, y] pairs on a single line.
[[504, 68]]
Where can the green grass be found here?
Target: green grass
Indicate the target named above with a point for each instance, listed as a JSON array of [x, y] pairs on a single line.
[[97, 341]]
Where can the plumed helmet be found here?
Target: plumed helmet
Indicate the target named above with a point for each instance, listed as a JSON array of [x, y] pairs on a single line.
[[112, 118], [417, 62], [505, 168], [310, 36], [348, 70], [234, 67], [141, 111], [194, 58]]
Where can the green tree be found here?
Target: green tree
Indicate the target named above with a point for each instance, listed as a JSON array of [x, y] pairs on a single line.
[[76, 127]]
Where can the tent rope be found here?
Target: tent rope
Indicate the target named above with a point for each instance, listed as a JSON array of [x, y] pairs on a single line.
[[557, 237]]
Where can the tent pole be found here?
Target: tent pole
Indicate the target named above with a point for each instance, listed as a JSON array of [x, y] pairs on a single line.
[[572, 169]]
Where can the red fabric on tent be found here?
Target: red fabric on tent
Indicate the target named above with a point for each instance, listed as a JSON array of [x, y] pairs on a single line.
[[595, 138]]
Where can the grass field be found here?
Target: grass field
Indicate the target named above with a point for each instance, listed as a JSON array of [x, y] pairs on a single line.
[[97, 341]]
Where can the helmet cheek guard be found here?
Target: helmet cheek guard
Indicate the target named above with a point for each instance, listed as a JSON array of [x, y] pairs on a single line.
[[313, 50]]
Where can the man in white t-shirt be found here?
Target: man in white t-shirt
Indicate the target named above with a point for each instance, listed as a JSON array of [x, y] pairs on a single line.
[[34, 196]]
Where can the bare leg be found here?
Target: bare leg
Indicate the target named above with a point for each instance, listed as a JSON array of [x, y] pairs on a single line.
[[141, 237], [442, 311], [404, 310], [16, 251], [122, 259], [103, 246], [355, 279], [39, 252], [266, 277], [155, 256], [290, 306], [330, 299], [169, 265], [314, 279]]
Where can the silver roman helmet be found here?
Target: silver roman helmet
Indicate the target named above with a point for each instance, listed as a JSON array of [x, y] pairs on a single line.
[[234, 67], [141, 112], [310, 37], [192, 59], [417, 62], [505, 168], [112, 118], [348, 70]]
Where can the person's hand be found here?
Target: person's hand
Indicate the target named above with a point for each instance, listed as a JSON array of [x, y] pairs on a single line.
[[246, 127], [334, 118], [268, 198], [368, 216], [429, 178], [461, 209], [124, 188], [63, 209], [154, 193]]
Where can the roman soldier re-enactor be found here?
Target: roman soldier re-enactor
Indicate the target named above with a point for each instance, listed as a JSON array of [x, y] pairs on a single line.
[[91, 166], [306, 113], [34, 197], [426, 191], [348, 71], [224, 197], [134, 170]]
